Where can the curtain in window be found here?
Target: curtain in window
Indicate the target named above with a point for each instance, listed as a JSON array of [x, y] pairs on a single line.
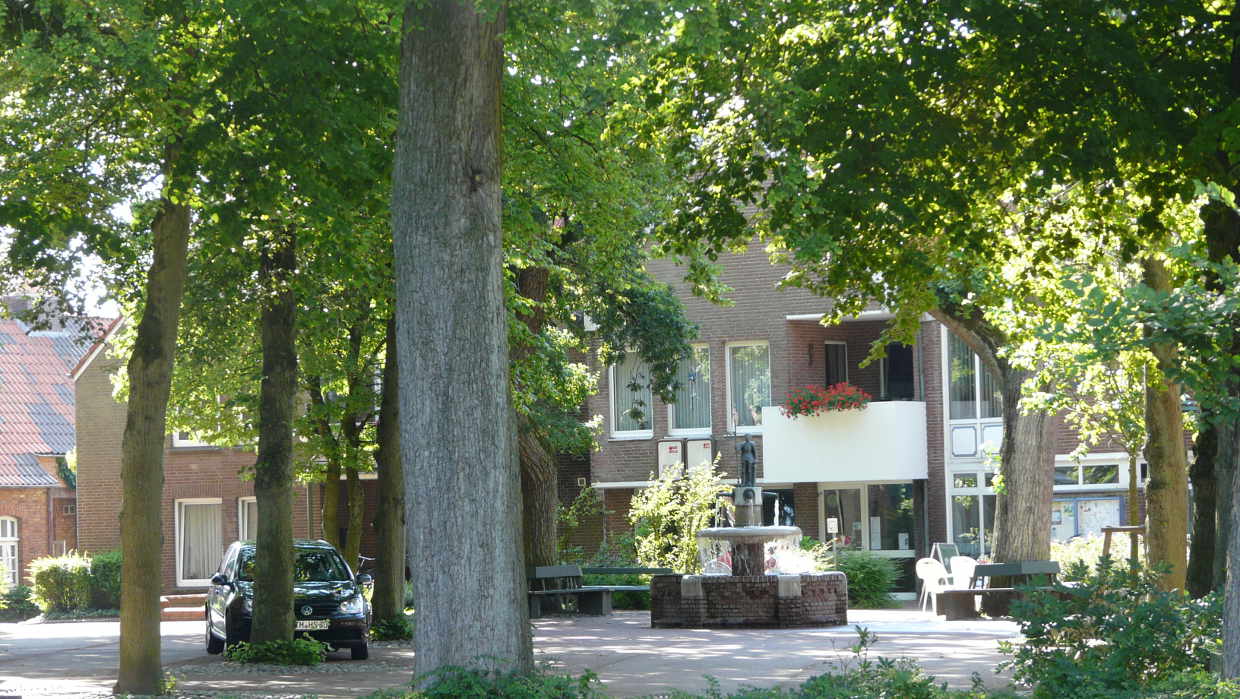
[[201, 544], [8, 551], [960, 366], [249, 520], [837, 364], [750, 382], [692, 408], [991, 400], [630, 395]]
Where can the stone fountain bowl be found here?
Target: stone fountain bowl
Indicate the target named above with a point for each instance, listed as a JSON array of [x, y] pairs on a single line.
[[748, 534]]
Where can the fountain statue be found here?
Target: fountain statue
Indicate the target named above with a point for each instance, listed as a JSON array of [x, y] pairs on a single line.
[[754, 576]]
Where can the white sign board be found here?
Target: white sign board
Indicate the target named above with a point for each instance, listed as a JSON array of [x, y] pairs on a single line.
[[833, 525], [698, 452], [671, 455]]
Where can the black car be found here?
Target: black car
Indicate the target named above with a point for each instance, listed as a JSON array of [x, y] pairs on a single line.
[[328, 602]]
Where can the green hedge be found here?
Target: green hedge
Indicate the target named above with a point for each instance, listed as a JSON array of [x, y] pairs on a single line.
[[105, 580], [61, 583], [870, 578]]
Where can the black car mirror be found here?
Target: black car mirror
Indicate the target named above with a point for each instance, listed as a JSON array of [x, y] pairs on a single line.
[[365, 580], [220, 579]]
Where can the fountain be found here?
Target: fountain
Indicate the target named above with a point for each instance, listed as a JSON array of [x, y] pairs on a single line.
[[753, 577]]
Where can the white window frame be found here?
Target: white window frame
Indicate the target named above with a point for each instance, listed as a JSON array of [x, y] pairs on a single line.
[[620, 435], [727, 380], [242, 521], [11, 563], [825, 360], [710, 412], [1119, 459], [176, 544], [178, 441]]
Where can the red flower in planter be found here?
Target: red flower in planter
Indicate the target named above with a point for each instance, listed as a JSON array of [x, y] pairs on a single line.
[[813, 400]]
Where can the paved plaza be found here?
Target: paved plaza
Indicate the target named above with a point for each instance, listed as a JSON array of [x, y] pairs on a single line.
[[630, 658]]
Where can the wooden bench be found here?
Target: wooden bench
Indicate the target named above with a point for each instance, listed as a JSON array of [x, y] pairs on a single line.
[[995, 601], [549, 586]]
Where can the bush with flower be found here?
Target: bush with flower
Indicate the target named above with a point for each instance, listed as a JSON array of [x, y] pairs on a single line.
[[814, 400]]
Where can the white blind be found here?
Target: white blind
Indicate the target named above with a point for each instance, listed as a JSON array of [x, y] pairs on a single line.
[[201, 544]]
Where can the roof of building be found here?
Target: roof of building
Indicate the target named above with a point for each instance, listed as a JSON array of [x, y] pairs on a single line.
[[36, 395]]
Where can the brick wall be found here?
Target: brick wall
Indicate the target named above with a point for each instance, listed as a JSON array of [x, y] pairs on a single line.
[[64, 519], [589, 532], [29, 507]]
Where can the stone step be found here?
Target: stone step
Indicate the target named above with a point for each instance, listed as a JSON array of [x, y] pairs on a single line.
[[181, 614], [194, 600]]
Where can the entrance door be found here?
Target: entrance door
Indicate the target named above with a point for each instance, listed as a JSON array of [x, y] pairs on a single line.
[[842, 513]]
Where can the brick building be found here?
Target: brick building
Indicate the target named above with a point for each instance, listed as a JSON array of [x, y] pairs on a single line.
[[37, 498], [207, 503], [908, 471]]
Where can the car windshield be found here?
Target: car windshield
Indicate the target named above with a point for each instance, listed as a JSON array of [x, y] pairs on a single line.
[[309, 565]]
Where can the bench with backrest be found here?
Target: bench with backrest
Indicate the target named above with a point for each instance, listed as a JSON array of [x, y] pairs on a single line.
[[550, 586], [995, 601]]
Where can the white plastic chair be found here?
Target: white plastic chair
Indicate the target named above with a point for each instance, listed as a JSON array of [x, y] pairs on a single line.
[[934, 579], [962, 570]]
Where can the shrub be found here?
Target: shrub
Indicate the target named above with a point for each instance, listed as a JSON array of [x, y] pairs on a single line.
[[452, 682], [870, 578], [61, 583], [298, 651], [1088, 551], [1115, 632], [667, 516], [397, 628], [16, 605], [619, 552], [105, 580]]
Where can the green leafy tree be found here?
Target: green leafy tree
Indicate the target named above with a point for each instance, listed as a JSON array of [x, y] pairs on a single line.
[[668, 514]]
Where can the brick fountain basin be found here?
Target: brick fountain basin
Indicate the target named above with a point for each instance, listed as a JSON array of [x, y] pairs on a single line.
[[756, 601]]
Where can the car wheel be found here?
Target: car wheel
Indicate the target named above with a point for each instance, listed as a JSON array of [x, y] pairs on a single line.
[[360, 651], [215, 646]]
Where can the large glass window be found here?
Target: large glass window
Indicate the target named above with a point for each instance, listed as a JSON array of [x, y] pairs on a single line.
[[9, 563], [966, 524], [891, 517], [972, 391], [837, 363], [749, 383], [691, 411], [896, 373], [198, 539], [630, 396]]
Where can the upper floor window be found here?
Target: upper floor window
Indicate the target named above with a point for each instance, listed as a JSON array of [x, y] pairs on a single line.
[[896, 376], [691, 411], [837, 363], [972, 391], [630, 398], [749, 384], [186, 439]]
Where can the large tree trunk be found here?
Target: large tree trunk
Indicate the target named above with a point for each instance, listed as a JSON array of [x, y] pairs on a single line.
[[1231, 603], [1026, 456], [1166, 492], [273, 470], [357, 520], [1226, 463], [1026, 462], [1201, 554], [540, 497], [389, 597], [1134, 506], [142, 449], [456, 422]]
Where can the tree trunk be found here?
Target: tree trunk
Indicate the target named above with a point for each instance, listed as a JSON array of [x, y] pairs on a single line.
[[1166, 492], [540, 497], [1231, 603], [1201, 554], [331, 502], [357, 520], [457, 429], [273, 470], [1134, 506], [389, 597], [1026, 455], [1026, 462], [142, 449], [1227, 432]]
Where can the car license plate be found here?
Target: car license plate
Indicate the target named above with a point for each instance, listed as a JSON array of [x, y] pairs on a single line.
[[313, 624]]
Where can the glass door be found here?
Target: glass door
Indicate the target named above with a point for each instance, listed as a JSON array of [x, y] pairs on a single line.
[[842, 517]]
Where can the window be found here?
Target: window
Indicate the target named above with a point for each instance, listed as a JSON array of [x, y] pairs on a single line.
[[630, 398], [186, 439], [896, 373], [749, 384], [837, 363], [691, 411], [198, 540], [9, 563], [69, 508], [972, 392], [971, 502], [1087, 474], [247, 519]]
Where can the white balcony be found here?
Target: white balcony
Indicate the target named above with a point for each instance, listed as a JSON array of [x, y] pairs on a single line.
[[884, 442]]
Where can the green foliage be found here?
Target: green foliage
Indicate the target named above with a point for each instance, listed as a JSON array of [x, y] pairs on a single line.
[[619, 552], [397, 628], [667, 516], [1114, 632], [586, 505], [870, 578], [1081, 554], [297, 651], [105, 580], [16, 605], [450, 682], [61, 583], [823, 556], [101, 613]]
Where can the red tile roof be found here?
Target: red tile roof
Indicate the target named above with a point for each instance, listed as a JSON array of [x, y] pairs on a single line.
[[36, 397]]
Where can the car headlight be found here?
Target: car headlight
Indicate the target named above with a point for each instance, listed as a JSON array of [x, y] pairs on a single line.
[[353, 605]]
